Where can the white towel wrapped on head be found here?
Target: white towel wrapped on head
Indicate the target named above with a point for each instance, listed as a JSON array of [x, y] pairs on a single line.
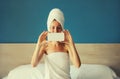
[[56, 14]]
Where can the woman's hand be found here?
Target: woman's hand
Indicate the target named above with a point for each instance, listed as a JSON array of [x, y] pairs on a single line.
[[42, 37], [68, 37]]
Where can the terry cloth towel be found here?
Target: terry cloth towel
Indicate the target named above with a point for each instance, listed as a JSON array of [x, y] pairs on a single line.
[[55, 14], [57, 66]]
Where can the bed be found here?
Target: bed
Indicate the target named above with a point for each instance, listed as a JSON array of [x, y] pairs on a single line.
[[99, 61], [86, 71]]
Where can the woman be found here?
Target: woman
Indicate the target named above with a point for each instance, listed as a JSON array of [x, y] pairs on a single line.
[[57, 53]]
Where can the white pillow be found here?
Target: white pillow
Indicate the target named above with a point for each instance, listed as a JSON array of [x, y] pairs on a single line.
[[92, 71], [27, 72]]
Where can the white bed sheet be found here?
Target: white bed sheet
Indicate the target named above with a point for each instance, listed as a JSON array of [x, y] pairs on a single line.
[[86, 71]]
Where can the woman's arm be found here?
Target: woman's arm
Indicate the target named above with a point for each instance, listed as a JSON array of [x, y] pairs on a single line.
[[39, 50], [34, 60], [72, 50], [74, 55]]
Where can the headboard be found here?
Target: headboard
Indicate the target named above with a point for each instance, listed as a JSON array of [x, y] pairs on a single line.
[[16, 54]]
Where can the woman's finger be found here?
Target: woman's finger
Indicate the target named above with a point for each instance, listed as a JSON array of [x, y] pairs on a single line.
[[69, 36], [43, 36]]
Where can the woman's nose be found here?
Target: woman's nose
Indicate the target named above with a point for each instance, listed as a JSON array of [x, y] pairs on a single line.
[[56, 30]]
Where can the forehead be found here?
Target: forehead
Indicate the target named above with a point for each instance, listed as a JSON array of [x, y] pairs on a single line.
[[55, 23]]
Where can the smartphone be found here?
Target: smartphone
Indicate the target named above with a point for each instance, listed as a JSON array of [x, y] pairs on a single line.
[[55, 37]]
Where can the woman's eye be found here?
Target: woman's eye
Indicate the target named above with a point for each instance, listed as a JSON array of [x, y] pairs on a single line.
[[59, 27]]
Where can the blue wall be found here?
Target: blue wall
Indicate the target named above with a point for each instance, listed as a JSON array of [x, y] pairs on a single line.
[[89, 21]]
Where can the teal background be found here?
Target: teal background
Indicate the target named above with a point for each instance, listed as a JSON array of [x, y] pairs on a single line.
[[89, 21]]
